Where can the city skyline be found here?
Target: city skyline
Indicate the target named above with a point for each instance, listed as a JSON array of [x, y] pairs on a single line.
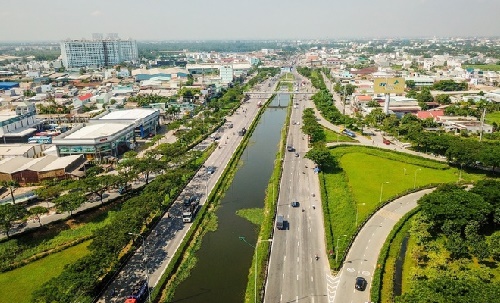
[[257, 20]]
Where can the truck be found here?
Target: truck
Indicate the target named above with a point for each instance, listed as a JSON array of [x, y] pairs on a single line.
[[139, 293], [189, 210], [242, 131], [280, 222]]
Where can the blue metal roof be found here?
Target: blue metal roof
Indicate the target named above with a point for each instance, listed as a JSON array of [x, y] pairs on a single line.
[[8, 85]]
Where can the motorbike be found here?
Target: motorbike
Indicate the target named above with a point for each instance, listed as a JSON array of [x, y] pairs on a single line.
[[317, 258]]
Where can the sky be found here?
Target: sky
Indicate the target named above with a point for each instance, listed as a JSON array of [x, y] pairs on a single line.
[[54, 20]]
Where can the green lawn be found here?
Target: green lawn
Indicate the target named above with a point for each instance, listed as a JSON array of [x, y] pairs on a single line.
[[364, 170], [332, 136], [493, 117], [492, 67], [21, 282]]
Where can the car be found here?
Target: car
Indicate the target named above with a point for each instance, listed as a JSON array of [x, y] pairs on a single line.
[[211, 170], [360, 283], [295, 204], [290, 148]]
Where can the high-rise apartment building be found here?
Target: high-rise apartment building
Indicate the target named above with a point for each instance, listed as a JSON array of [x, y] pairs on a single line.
[[98, 52]]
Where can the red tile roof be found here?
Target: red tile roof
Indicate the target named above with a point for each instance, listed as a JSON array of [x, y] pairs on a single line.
[[430, 114], [364, 98], [85, 97]]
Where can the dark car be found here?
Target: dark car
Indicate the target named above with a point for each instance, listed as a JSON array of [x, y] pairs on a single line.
[[290, 148], [295, 204], [360, 283]]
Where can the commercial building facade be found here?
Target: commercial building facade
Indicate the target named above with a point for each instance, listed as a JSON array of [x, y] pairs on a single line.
[[81, 53], [109, 135]]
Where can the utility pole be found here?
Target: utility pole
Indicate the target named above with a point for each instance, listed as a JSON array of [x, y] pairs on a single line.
[[482, 124]]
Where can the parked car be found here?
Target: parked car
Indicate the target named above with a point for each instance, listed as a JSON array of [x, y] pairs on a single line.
[[295, 204], [360, 283]]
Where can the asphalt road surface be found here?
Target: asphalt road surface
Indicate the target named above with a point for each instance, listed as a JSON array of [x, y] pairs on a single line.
[[294, 274], [165, 238], [363, 255]]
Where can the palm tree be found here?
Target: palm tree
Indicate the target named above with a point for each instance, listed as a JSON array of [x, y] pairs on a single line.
[[11, 185]]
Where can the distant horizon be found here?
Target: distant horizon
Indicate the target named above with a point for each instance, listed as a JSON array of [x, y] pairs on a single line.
[[149, 20], [268, 39]]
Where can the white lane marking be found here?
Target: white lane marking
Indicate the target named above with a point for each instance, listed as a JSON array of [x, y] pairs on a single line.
[[297, 277], [281, 298], [298, 259], [312, 279], [298, 243]]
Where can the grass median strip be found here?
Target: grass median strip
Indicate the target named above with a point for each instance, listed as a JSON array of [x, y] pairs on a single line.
[[366, 179]]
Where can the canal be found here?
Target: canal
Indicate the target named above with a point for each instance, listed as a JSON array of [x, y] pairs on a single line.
[[221, 272]]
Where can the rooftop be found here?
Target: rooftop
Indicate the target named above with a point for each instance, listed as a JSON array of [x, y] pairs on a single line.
[[130, 114], [94, 131]]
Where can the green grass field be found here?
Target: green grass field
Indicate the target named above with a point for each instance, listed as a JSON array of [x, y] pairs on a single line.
[[21, 282], [332, 136], [364, 171], [492, 67], [493, 117]]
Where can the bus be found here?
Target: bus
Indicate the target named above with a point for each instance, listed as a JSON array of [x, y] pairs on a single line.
[[40, 140]]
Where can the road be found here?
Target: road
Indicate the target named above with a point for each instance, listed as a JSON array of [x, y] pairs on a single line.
[[166, 237], [363, 255], [294, 274]]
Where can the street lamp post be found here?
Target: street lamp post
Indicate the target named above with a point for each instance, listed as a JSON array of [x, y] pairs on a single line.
[[357, 212], [256, 261], [381, 190], [415, 178], [460, 172], [144, 260], [337, 249]]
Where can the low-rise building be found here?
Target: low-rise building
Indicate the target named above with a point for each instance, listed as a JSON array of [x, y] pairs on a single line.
[[34, 170], [111, 134]]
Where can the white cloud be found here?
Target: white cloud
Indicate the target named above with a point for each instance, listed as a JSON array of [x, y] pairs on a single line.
[[96, 13]]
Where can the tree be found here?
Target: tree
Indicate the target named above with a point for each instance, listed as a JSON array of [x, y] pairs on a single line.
[[425, 95], [494, 245], [9, 213], [443, 99], [48, 193], [11, 185], [372, 103], [70, 202], [96, 185], [37, 211], [410, 84], [322, 157], [457, 206]]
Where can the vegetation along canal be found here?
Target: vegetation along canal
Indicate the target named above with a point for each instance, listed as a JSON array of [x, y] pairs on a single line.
[[223, 260]]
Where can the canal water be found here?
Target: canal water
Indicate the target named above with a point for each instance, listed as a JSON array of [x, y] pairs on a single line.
[[221, 272]]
